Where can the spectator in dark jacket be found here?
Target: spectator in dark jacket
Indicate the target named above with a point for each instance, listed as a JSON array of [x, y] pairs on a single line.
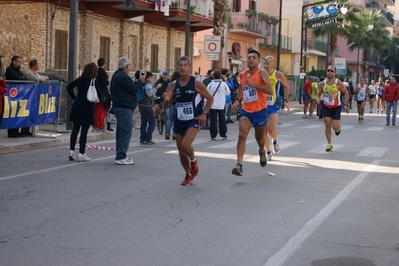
[[123, 96], [391, 96], [146, 112], [82, 112], [161, 85], [14, 73]]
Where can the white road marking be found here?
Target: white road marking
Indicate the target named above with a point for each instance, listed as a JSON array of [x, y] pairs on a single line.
[[377, 152], [67, 165], [313, 126], [310, 227], [374, 128]]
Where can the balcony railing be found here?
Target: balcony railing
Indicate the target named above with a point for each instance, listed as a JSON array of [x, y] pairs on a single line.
[[272, 41], [252, 24], [388, 15], [202, 8], [320, 46]]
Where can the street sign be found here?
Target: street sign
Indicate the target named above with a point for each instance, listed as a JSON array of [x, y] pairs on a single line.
[[212, 44], [211, 57], [340, 65], [326, 10], [323, 23], [386, 72]]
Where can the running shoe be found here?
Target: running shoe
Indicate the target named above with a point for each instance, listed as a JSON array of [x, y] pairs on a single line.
[[194, 169], [125, 161], [276, 147], [337, 132], [237, 170], [329, 148], [269, 155], [213, 138], [361, 120], [262, 159], [72, 155], [83, 157], [187, 180], [305, 117]]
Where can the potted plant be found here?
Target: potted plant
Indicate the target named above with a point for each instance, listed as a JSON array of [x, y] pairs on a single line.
[[251, 13]]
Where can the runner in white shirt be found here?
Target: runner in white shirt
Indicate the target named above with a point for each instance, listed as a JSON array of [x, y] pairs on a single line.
[[362, 91], [372, 94]]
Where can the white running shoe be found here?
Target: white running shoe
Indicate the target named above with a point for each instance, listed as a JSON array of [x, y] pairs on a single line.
[[83, 157], [276, 147], [269, 156], [125, 161], [72, 155]]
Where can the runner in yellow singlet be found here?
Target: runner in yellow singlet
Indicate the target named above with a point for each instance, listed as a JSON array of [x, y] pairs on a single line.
[[274, 102], [330, 92]]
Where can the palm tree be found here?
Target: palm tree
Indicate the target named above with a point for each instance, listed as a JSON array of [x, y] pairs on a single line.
[[219, 23], [362, 36], [391, 52], [335, 30]]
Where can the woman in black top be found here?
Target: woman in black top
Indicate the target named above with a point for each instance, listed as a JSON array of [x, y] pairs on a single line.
[[82, 113]]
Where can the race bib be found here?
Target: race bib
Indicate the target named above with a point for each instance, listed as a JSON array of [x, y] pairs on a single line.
[[185, 111], [328, 100], [360, 96], [269, 99], [250, 94]]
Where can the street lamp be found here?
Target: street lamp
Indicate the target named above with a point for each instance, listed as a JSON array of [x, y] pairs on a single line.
[[369, 27]]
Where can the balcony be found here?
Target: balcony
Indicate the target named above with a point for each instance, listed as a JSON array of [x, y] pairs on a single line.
[[200, 19], [388, 16], [272, 41], [249, 26], [319, 48]]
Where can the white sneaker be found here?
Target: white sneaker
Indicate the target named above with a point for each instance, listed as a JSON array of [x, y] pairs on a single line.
[[126, 161], [83, 158], [276, 147], [72, 155], [269, 156]]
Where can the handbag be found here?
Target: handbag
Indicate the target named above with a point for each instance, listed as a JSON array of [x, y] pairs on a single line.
[[92, 92]]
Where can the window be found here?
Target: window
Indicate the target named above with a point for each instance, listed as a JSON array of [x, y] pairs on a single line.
[[236, 6], [104, 50], [61, 50], [252, 4], [154, 57]]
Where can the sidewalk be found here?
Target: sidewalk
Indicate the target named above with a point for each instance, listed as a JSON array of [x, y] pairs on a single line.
[[48, 136]]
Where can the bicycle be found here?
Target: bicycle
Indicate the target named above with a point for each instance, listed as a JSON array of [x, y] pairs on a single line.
[[162, 117]]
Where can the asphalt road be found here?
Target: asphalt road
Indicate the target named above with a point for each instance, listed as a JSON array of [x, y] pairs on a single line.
[[306, 207]]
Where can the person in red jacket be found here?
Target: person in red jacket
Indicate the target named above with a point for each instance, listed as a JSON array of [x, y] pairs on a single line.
[[3, 89], [391, 96], [307, 92]]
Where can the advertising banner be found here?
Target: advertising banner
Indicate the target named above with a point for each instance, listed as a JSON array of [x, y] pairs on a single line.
[[30, 104]]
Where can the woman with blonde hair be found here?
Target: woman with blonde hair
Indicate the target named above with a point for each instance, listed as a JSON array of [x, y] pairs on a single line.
[[82, 113]]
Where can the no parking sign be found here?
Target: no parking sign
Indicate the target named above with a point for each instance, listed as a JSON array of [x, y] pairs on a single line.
[[212, 44]]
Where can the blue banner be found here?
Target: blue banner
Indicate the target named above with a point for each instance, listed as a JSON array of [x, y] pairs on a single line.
[[30, 104]]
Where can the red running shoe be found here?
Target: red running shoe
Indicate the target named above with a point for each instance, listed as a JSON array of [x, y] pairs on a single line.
[[194, 168], [187, 180]]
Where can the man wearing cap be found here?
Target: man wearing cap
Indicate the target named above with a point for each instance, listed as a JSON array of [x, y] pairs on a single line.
[[161, 84], [277, 80], [313, 96]]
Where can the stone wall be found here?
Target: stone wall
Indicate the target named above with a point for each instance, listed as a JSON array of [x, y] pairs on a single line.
[[30, 33]]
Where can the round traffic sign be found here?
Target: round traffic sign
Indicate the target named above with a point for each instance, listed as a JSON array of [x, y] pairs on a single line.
[[212, 46]]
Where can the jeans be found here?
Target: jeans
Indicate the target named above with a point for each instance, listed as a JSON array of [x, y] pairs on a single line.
[[82, 139], [171, 119], [147, 116], [124, 125], [213, 114], [228, 110], [388, 106]]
